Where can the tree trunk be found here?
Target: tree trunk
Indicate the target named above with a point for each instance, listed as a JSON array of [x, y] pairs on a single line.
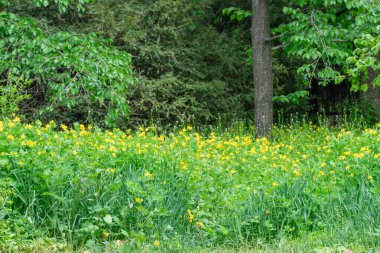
[[262, 67], [372, 95]]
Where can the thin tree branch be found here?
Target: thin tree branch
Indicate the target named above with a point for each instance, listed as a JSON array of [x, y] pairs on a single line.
[[280, 46], [277, 47], [274, 37], [338, 40]]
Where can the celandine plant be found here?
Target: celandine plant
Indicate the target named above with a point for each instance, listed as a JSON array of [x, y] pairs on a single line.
[[96, 189]]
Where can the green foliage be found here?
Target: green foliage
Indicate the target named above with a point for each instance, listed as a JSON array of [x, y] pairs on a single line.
[[192, 57], [292, 98], [61, 5], [6, 195], [192, 66], [237, 14], [361, 112], [189, 70], [170, 99], [329, 35], [365, 56], [12, 93], [71, 73]]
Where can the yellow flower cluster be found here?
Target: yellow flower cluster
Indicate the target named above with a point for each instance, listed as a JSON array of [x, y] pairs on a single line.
[[237, 165], [191, 215]]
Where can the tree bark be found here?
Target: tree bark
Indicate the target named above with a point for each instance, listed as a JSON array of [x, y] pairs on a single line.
[[372, 95], [262, 67]]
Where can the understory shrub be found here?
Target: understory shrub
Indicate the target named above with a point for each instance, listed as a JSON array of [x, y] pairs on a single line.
[[74, 77], [12, 93]]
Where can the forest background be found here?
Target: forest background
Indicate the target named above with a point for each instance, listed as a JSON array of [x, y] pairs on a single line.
[[131, 63]]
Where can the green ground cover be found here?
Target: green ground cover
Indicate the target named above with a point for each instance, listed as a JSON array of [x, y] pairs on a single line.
[[305, 188]]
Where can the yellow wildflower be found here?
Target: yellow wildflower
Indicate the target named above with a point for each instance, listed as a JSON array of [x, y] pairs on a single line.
[[218, 146], [297, 173], [110, 171], [358, 155], [16, 120], [112, 149], [191, 217], [184, 165], [148, 174], [364, 149], [199, 224], [64, 127], [30, 143]]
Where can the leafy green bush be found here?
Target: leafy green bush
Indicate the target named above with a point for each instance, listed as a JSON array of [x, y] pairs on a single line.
[[77, 77], [190, 70], [337, 40], [61, 5], [12, 93]]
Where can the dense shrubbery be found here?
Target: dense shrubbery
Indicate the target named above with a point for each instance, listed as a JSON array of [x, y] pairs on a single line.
[[190, 67], [192, 61], [89, 188], [189, 70], [74, 77], [12, 93]]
